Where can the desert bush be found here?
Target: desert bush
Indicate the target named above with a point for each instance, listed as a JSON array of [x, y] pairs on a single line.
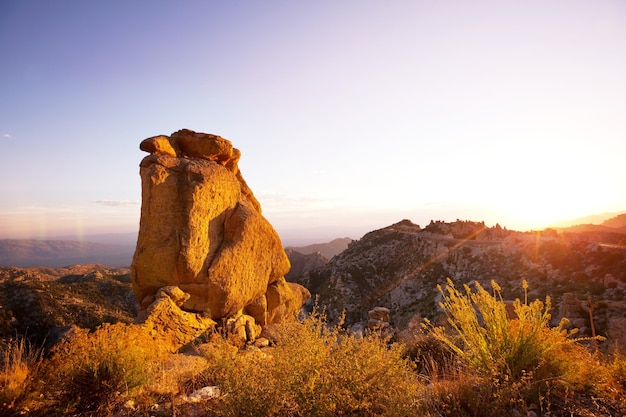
[[519, 359], [317, 370], [19, 364], [455, 390], [493, 343], [93, 370]]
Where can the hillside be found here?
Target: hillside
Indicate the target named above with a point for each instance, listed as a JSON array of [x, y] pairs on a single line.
[[400, 266], [56, 253], [43, 302], [616, 224], [301, 263]]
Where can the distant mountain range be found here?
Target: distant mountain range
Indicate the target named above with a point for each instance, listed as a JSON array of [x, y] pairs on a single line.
[[55, 253], [116, 249], [327, 250], [108, 249], [615, 224], [616, 220]]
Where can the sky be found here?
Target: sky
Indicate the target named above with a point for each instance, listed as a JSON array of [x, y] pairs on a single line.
[[350, 115]]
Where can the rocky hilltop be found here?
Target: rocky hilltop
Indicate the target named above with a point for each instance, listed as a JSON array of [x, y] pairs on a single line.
[[400, 266]]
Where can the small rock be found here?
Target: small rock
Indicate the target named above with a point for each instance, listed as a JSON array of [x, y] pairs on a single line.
[[203, 394], [262, 342]]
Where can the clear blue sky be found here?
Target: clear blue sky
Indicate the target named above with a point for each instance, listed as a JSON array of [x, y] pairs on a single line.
[[350, 115]]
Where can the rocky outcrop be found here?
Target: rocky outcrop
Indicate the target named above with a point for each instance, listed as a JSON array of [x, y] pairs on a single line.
[[202, 231], [572, 308], [378, 319]]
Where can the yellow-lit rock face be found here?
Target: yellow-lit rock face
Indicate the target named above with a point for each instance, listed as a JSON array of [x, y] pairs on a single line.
[[202, 230], [167, 323], [284, 300], [158, 145]]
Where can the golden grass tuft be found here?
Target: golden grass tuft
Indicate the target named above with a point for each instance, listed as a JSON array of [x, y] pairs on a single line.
[[19, 363], [519, 363]]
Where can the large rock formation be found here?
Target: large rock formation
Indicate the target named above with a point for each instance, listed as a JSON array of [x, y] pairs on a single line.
[[202, 230]]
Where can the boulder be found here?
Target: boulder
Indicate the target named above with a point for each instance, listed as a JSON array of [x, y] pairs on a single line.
[[573, 310], [250, 258], [284, 300], [166, 322], [378, 320], [202, 231], [243, 329], [379, 313]]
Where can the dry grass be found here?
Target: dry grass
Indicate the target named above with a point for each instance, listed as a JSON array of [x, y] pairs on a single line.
[[19, 363], [94, 372], [511, 365], [316, 370]]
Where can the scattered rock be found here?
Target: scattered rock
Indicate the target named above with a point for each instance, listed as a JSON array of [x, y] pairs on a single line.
[[572, 309], [262, 342]]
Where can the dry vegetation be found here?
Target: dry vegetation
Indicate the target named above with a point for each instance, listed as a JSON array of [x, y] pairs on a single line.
[[483, 362]]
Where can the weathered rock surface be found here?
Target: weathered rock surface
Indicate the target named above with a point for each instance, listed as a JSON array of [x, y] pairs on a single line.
[[173, 327], [284, 300], [202, 231]]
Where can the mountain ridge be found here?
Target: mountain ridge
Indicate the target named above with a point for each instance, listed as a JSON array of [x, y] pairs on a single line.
[[328, 249], [400, 266]]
